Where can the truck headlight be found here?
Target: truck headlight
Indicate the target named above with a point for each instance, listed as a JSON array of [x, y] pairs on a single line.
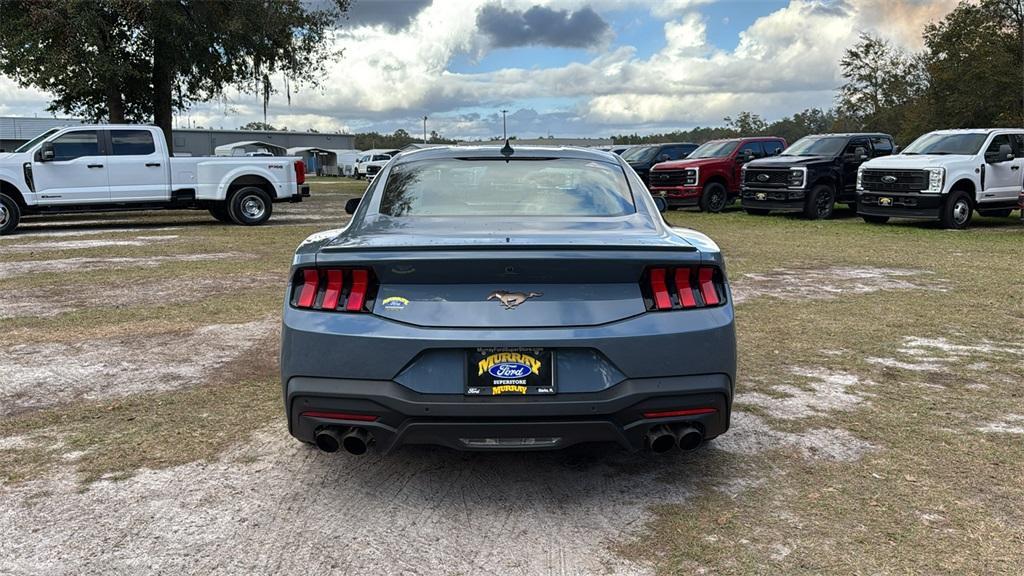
[[690, 177], [860, 178], [936, 178], [797, 177]]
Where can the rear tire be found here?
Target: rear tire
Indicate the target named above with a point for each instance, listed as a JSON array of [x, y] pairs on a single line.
[[220, 212], [758, 211], [874, 219], [821, 202], [713, 198], [250, 206], [10, 214], [956, 211]]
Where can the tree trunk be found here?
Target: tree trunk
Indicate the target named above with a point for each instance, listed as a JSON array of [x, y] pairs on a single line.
[[115, 105], [163, 88]]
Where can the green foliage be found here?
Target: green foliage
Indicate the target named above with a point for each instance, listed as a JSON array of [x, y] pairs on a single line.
[[399, 139], [792, 128], [975, 59], [258, 127], [138, 60]]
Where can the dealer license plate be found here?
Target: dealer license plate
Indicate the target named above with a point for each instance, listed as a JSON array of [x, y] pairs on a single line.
[[509, 372]]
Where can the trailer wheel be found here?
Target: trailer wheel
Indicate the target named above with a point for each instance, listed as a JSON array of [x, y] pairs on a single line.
[[10, 214], [250, 206], [220, 212]]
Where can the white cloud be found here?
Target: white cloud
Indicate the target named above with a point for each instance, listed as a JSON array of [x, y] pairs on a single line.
[[785, 61]]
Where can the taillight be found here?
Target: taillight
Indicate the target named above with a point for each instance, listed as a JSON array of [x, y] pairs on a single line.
[[333, 289], [682, 288], [300, 172]]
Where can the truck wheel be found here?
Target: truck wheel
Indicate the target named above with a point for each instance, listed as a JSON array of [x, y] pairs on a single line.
[[758, 211], [250, 206], [874, 219], [10, 214], [820, 202], [220, 212], [1002, 213], [956, 211], [713, 198]]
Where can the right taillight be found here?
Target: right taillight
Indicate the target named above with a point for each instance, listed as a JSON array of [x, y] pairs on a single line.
[[667, 288], [333, 289]]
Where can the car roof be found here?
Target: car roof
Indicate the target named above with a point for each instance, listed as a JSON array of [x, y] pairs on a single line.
[[443, 152], [977, 130], [850, 134]]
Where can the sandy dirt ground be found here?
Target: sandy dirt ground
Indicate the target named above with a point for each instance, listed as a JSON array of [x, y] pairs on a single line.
[[276, 506]]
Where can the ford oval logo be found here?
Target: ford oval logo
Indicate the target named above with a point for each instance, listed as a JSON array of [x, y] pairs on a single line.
[[762, 177], [889, 179], [510, 370]]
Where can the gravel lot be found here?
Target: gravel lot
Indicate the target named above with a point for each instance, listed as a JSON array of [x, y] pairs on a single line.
[[141, 429]]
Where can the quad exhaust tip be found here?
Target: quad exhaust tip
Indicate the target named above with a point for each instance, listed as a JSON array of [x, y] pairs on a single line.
[[354, 440], [660, 439], [327, 440], [689, 438]]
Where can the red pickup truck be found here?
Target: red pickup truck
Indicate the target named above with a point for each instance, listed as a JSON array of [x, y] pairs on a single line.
[[710, 176]]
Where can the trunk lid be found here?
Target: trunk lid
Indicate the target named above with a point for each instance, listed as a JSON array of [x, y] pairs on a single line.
[[503, 274]]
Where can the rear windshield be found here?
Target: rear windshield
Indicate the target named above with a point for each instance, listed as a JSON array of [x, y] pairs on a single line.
[[494, 187]]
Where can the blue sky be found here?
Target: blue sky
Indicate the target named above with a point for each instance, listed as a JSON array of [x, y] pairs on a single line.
[[569, 67]]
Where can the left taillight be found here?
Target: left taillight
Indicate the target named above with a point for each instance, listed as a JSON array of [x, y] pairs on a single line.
[[334, 289], [667, 288], [300, 172]]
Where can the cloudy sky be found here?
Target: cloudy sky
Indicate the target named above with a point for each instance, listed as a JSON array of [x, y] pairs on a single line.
[[568, 67]]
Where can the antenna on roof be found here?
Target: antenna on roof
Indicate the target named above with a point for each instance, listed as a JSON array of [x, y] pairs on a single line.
[[507, 150]]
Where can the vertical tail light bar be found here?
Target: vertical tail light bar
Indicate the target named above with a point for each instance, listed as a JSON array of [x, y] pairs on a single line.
[[659, 289], [360, 279], [683, 287], [333, 289], [335, 282], [308, 289], [300, 172], [706, 278]]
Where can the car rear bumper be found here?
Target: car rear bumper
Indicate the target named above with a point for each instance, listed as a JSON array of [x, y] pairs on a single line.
[[522, 423]]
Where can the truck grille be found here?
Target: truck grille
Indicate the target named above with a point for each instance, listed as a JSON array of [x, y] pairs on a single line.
[[764, 178], [895, 180], [372, 170], [659, 178]]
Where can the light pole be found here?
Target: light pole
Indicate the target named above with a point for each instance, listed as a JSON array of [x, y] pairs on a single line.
[[424, 129], [504, 131]]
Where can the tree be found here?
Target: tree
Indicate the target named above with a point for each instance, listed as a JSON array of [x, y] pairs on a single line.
[[882, 82], [746, 124], [140, 60], [258, 127], [975, 60]]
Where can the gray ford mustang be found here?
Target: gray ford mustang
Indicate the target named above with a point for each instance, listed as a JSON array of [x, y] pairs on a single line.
[[507, 299]]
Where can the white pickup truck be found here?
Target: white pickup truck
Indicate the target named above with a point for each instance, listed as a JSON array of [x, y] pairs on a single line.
[[946, 176], [122, 167]]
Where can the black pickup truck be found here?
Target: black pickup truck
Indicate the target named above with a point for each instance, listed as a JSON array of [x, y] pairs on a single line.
[[811, 175]]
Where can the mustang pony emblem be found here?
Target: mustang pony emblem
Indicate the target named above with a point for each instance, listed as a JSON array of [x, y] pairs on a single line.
[[512, 299]]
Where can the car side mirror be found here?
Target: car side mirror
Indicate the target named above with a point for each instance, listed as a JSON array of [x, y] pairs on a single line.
[[661, 203], [46, 152], [1005, 153], [860, 152], [351, 205], [897, 149]]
